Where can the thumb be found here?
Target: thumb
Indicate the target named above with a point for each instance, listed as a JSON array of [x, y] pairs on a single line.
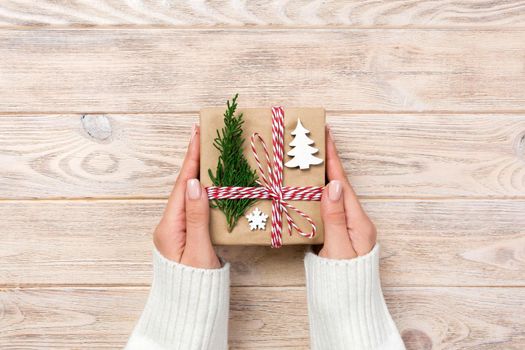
[[337, 243], [198, 251]]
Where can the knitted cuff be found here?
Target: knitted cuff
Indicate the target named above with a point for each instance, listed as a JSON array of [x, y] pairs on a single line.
[[187, 308], [346, 305]]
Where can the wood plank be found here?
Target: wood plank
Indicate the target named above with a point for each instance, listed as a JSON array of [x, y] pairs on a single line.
[[161, 70], [423, 13], [459, 242], [100, 318], [50, 156], [138, 156]]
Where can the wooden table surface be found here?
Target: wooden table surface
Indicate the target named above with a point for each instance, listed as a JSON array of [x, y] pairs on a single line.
[[427, 103]]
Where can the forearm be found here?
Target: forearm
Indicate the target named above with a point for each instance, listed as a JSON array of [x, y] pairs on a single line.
[[187, 308], [346, 305]]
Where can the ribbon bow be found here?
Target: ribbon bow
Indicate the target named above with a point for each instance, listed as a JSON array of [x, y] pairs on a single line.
[[272, 185]]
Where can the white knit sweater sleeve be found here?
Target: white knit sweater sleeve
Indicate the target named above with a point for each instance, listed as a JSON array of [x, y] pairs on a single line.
[[346, 305], [187, 309]]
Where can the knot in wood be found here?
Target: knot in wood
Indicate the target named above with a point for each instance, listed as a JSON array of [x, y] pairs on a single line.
[[416, 339], [97, 127]]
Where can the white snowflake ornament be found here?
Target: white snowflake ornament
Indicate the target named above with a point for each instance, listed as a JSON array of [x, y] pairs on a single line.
[[257, 220]]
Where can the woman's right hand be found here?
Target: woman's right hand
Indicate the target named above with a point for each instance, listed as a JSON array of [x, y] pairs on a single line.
[[183, 233], [349, 232]]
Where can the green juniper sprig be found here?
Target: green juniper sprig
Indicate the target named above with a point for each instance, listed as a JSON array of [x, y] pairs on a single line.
[[232, 167]]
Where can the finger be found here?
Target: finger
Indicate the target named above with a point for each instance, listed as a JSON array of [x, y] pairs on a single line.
[[337, 243], [170, 235], [363, 235], [335, 171], [198, 251], [334, 167], [190, 169], [361, 228]]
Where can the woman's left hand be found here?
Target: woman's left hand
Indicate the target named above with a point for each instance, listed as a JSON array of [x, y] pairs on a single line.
[[183, 234], [349, 232]]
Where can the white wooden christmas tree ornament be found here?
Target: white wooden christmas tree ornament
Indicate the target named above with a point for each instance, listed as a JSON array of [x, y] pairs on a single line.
[[257, 220], [302, 152]]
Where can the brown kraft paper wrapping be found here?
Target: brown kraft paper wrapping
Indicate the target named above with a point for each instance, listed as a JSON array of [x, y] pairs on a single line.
[[259, 120]]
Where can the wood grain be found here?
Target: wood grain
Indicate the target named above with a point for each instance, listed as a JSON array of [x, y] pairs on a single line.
[[423, 13], [160, 70], [102, 318], [426, 102], [456, 243], [50, 156], [138, 156]]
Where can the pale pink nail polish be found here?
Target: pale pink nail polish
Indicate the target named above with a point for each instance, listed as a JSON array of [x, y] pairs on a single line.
[[193, 188], [335, 189]]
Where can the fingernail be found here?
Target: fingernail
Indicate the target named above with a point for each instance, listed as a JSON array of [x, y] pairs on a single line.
[[193, 131], [335, 189], [193, 188]]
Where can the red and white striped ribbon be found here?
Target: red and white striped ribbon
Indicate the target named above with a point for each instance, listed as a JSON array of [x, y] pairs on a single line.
[[272, 185]]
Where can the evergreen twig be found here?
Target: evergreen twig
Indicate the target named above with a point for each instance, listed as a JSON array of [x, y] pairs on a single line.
[[232, 167]]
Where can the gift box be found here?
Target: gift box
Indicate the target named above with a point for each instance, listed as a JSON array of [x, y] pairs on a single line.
[[303, 166]]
